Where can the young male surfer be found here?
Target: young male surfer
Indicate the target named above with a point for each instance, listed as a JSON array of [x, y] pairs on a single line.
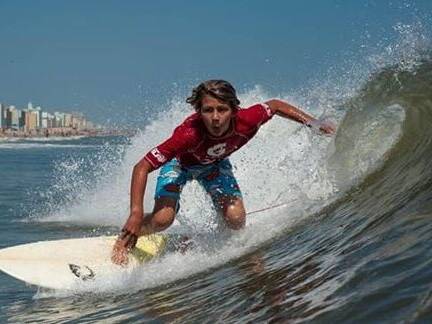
[[199, 149]]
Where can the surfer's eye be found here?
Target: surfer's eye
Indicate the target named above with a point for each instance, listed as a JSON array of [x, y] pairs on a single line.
[[206, 109], [222, 109]]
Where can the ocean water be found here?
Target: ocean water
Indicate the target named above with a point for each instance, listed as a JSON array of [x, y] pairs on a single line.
[[350, 240]]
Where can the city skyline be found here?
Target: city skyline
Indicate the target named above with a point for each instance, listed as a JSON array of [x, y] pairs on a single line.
[[36, 118]]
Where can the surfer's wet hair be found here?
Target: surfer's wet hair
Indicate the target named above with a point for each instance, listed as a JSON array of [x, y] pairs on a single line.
[[219, 89]]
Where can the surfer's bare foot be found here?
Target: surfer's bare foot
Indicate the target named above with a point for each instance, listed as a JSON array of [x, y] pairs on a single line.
[[119, 254]]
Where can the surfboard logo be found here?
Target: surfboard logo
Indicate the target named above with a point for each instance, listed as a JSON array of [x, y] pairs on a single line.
[[84, 272]]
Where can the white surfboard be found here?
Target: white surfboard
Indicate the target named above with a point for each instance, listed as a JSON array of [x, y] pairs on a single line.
[[64, 264]]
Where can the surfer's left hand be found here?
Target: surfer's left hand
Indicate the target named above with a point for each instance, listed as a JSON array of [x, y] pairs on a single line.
[[327, 127]]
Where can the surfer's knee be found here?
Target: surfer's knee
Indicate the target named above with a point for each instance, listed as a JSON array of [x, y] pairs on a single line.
[[234, 214], [163, 214], [162, 219], [235, 221]]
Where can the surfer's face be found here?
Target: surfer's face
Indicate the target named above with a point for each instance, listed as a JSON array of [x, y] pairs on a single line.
[[216, 115]]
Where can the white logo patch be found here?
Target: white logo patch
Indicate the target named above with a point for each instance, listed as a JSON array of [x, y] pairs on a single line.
[[158, 155], [267, 109], [217, 150]]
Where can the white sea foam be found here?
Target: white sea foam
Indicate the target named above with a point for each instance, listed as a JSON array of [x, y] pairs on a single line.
[[283, 163]]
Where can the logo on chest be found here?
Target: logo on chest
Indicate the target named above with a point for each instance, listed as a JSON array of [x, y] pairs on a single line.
[[217, 150]]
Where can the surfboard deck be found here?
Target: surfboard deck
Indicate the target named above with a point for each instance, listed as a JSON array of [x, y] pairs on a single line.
[[64, 264]]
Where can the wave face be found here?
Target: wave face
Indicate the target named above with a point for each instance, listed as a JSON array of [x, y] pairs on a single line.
[[368, 257], [351, 243]]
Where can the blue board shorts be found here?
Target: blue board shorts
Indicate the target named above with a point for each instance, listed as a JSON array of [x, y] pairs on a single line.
[[216, 178]]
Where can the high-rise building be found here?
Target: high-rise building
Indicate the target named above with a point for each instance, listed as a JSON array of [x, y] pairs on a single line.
[[67, 120], [14, 115], [31, 118], [23, 114], [8, 114], [2, 116], [50, 121], [39, 116], [59, 119], [78, 121]]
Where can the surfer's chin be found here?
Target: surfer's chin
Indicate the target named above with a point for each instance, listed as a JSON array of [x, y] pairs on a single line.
[[218, 131]]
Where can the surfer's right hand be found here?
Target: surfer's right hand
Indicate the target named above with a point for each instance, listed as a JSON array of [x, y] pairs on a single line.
[[131, 230], [119, 254], [126, 240]]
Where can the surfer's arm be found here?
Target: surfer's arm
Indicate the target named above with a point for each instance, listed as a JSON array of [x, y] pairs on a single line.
[[138, 186], [132, 227], [289, 111]]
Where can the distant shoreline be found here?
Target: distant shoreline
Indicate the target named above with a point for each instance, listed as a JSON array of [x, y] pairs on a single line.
[[61, 132]]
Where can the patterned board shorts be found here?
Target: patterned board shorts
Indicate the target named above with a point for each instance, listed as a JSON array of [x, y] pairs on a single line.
[[216, 178]]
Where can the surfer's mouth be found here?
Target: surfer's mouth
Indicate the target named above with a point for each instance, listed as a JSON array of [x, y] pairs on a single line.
[[216, 129]]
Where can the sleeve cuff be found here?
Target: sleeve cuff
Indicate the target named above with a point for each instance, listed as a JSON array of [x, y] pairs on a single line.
[[267, 109]]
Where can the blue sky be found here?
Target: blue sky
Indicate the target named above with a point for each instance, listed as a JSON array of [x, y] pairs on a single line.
[[110, 59]]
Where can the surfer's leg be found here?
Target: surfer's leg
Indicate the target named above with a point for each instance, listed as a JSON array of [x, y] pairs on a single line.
[[162, 216], [170, 182], [233, 211], [225, 192]]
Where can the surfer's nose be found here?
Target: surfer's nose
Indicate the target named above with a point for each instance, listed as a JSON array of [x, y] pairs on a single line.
[[215, 116]]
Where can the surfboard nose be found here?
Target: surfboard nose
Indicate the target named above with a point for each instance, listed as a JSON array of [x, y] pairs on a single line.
[[62, 264]]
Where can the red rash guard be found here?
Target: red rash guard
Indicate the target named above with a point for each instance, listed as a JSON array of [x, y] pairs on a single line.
[[191, 144]]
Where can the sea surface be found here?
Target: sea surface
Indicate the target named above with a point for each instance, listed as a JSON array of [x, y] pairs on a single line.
[[349, 241]]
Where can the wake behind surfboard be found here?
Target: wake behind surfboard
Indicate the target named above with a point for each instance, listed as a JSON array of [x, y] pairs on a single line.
[[63, 264]]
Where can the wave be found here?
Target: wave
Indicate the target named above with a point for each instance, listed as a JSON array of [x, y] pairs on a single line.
[[347, 199]]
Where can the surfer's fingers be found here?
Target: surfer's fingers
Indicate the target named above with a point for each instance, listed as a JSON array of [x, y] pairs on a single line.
[[132, 240], [124, 233]]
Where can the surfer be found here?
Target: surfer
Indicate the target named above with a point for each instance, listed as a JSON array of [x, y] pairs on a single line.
[[199, 149]]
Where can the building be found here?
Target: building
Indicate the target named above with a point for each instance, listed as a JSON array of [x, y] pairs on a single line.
[[78, 121], [59, 119], [50, 120], [2, 116], [22, 119], [44, 119], [13, 118], [31, 120], [37, 112], [67, 120]]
